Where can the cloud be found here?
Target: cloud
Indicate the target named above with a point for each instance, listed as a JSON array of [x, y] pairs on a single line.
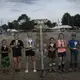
[[51, 9], [22, 1], [75, 1]]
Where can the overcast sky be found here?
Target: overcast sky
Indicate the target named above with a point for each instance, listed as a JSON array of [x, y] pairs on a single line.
[[51, 9]]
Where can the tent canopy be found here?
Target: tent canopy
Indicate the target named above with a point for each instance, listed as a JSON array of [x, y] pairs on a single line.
[[62, 26]]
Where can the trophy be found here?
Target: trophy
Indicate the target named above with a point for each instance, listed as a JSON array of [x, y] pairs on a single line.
[[52, 44], [16, 42], [75, 44], [52, 48], [30, 43]]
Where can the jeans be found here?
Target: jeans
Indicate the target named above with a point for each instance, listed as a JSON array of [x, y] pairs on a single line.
[[74, 58]]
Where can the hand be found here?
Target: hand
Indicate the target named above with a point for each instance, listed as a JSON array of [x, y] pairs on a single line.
[[18, 43], [52, 49], [4, 52]]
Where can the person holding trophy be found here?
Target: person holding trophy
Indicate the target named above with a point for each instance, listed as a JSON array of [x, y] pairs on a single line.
[[52, 54], [29, 52], [16, 46], [74, 47], [61, 51]]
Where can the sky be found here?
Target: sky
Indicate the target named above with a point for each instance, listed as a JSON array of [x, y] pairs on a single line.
[[37, 9]]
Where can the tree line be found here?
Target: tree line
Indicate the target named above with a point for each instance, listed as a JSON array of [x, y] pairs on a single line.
[[25, 23], [73, 21]]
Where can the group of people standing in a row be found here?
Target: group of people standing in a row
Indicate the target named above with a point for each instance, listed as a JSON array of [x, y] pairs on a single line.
[[54, 49]]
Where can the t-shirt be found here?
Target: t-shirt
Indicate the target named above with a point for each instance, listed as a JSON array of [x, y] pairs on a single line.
[[18, 43], [73, 43], [61, 45], [4, 48]]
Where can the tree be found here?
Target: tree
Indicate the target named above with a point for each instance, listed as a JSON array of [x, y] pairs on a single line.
[[66, 19], [5, 27], [48, 23], [77, 20], [15, 24], [10, 25], [25, 22], [54, 24]]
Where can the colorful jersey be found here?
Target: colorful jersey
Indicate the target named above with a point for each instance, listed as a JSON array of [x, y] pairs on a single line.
[[73, 43], [61, 44]]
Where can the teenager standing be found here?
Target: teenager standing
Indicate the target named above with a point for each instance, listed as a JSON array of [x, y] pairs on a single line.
[[74, 48], [29, 52], [16, 46], [52, 53], [61, 51]]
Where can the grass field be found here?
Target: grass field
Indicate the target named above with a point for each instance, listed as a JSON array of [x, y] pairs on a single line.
[[36, 76]]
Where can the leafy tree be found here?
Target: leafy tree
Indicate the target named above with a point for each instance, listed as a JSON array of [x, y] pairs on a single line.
[[66, 19], [77, 20], [54, 24], [5, 27], [15, 24], [10, 25], [48, 23], [25, 22]]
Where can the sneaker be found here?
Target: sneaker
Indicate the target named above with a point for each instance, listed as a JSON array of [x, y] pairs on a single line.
[[18, 70], [75, 69], [15, 70], [63, 70], [70, 69], [26, 71], [34, 70]]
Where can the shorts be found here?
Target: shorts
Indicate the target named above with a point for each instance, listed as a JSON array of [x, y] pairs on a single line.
[[5, 61], [61, 54], [17, 52], [30, 53], [51, 54]]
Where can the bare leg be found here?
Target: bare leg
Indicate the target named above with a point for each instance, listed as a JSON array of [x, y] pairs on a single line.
[[19, 62], [27, 60], [34, 62], [15, 63], [60, 61]]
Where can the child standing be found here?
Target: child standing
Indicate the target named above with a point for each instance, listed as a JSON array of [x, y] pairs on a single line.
[[74, 47], [61, 50], [5, 56], [52, 53]]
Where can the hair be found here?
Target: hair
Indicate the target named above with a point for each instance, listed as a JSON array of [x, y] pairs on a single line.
[[15, 34], [60, 34], [3, 40], [73, 35], [52, 38]]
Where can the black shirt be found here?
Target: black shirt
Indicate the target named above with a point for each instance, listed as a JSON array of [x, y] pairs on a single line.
[[19, 45], [5, 49]]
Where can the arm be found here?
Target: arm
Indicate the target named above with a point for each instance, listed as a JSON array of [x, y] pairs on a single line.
[[12, 44], [21, 44]]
